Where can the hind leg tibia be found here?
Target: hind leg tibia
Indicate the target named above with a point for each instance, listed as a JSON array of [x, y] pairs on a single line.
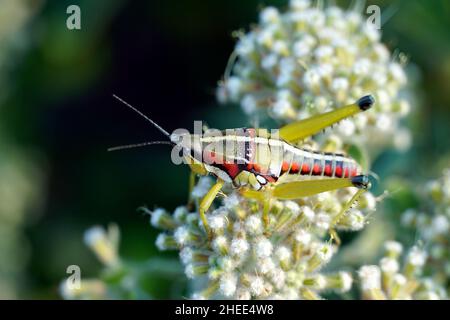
[[299, 130]]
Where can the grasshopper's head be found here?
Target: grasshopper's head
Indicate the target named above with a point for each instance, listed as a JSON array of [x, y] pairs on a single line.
[[190, 147], [189, 143], [180, 138]]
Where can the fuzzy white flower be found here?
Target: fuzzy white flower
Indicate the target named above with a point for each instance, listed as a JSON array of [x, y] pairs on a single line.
[[257, 286], [263, 248], [180, 214], [393, 247], [346, 127], [307, 212], [181, 235], [355, 220], [234, 87], [220, 244], [217, 221], [254, 225], [228, 284], [322, 221], [389, 265], [202, 187], [269, 15], [249, 104], [303, 237], [346, 281], [370, 277], [165, 242], [189, 271], [103, 243], [186, 255], [226, 263], [239, 247], [269, 61], [231, 201], [440, 224], [266, 265], [417, 257], [400, 280]]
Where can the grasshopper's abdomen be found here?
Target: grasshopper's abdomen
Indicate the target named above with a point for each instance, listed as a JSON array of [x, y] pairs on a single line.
[[315, 163], [254, 157]]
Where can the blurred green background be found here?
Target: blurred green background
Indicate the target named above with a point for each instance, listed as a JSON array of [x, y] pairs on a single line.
[[58, 117]]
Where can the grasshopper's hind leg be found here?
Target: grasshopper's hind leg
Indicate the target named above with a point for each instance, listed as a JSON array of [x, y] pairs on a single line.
[[333, 234], [206, 203], [305, 188], [299, 130], [299, 189]]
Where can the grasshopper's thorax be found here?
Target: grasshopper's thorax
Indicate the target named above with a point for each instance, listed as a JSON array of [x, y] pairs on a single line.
[[253, 157]]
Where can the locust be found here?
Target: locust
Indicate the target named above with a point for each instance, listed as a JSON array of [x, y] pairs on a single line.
[[267, 166]]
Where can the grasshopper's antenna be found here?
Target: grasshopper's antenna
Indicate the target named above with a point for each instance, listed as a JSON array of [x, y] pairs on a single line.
[[142, 115], [137, 145]]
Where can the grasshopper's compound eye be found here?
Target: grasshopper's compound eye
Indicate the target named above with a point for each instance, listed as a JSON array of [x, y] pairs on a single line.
[[361, 182]]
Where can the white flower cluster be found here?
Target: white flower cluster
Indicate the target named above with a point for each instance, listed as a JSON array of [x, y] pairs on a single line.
[[309, 60], [433, 223], [246, 260], [390, 280]]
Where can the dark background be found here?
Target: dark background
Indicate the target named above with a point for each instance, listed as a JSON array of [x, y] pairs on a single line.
[[164, 57]]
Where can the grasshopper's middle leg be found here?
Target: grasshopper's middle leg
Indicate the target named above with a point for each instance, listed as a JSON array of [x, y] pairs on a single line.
[[192, 178], [264, 197], [207, 201]]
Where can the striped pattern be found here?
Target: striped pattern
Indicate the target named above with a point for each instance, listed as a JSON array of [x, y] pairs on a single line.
[[268, 158]]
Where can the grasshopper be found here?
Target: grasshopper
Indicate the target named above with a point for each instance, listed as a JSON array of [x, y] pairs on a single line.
[[256, 161]]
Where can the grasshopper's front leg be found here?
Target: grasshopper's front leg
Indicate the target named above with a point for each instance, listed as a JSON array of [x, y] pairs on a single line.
[[197, 168], [206, 203], [192, 178]]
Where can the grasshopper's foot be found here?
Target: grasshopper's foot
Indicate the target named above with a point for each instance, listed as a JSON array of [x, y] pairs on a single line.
[[190, 205], [266, 223], [334, 237], [210, 235]]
